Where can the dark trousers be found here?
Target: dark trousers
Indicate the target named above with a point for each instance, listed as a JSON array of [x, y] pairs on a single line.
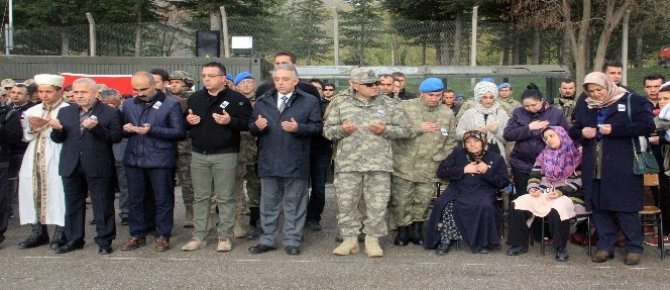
[[607, 229], [102, 201], [319, 163], [141, 183], [14, 166], [520, 182], [663, 197], [5, 201], [517, 234]]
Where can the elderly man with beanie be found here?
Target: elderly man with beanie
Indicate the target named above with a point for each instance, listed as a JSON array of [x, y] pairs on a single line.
[[486, 116], [363, 123], [41, 194], [415, 159], [180, 86]]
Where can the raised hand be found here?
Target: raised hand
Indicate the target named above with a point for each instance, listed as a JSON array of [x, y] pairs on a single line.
[[261, 122], [222, 119], [192, 119], [290, 126]]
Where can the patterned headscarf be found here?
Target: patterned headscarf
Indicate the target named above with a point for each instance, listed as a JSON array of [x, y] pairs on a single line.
[[614, 92], [479, 135], [559, 164]]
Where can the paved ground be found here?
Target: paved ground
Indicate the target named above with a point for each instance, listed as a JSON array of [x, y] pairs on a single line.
[[408, 267]]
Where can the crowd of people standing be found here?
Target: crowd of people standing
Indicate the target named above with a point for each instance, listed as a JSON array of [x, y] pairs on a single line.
[[237, 147]]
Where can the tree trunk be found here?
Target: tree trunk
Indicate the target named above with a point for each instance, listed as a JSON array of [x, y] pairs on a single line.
[[537, 40], [458, 35], [138, 34], [566, 53], [65, 43], [638, 50], [578, 38], [612, 20]]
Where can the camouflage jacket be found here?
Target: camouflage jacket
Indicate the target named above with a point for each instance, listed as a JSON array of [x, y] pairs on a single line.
[[416, 158], [248, 146], [509, 105], [468, 104], [362, 150], [567, 106]]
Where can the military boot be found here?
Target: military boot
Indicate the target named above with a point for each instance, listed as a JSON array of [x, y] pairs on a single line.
[[348, 246], [58, 238], [416, 233], [238, 230], [401, 239], [38, 237], [372, 247]]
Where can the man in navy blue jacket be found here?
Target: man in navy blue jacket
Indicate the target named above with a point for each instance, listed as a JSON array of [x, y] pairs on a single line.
[[284, 119], [87, 131], [153, 124]]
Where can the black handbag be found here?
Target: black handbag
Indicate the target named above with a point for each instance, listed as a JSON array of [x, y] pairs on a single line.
[[644, 162]]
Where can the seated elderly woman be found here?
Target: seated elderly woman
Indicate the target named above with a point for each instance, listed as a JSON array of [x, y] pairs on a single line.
[[552, 181], [466, 210]]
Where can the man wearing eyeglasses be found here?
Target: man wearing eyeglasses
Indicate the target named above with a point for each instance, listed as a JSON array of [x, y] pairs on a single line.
[[215, 117], [328, 91], [363, 122]]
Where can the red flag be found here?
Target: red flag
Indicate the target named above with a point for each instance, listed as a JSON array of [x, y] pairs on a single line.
[[120, 83]]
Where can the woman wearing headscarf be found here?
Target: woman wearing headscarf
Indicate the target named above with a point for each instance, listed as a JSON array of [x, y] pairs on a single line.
[[525, 129], [466, 210], [554, 182], [487, 117], [611, 190]]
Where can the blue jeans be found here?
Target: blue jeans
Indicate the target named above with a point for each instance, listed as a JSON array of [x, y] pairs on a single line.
[[319, 163], [289, 194], [141, 182]]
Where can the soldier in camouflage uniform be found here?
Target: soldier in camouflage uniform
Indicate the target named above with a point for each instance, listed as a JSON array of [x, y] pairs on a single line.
[[415, 159], [506, 101], [246, 168], [566, 101], [180, 86], [363, 124]]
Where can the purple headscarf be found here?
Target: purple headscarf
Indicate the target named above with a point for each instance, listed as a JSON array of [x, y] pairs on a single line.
[[559, 164]]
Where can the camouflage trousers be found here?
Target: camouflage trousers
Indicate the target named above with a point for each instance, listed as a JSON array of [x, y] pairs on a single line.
[[184, 172], [374, 188], [410, 200], [253, 188]]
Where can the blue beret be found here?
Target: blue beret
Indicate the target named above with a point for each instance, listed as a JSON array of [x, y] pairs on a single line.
[[229, 76], [431, 85], [504, 85], [242, 76], [487, 79]]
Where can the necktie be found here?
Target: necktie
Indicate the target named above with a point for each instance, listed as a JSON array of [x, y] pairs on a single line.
[[282, 104]]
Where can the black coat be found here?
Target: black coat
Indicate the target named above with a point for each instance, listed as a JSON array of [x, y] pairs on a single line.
[[92, 147], [280, 153], [475, 211], [620, 189], [10, 132]]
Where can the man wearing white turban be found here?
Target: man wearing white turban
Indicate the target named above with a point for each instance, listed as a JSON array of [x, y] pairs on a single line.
[[41, 195]]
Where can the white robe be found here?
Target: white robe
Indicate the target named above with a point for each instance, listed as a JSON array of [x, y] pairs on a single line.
[[54, 211]]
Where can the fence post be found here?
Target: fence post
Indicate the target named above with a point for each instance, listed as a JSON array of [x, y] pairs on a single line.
[[224, 32], [91, 34], [336, 37], [473, 40], [624, 48], [9, 30]]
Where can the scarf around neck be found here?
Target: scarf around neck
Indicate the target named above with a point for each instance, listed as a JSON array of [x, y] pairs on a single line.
[[614, 92], [559, 164]]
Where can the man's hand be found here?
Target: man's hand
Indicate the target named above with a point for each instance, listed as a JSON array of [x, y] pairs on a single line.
[[191, 118], [290, 126], [349, 127], [146, 127], [129, 128], [89, 123], [261, 122], [377, 128], [222, 119], [55, 123], [427, 127]]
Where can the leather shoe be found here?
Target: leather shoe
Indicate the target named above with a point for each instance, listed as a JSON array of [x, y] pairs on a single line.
[[260, 248], [69, 247], [292, 250], [632, 259], [516, 250], [562, 254], [602, 256], [442, 249], [105, 250]]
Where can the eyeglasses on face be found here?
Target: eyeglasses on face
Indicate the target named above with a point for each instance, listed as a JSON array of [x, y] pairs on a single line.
[[328, 90]]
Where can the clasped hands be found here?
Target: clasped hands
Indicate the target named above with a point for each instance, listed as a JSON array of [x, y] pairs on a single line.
[[350, 127], [476, 168], [536, 192]]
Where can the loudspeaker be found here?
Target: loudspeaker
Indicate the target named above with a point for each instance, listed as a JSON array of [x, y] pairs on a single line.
[[207, 44]]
